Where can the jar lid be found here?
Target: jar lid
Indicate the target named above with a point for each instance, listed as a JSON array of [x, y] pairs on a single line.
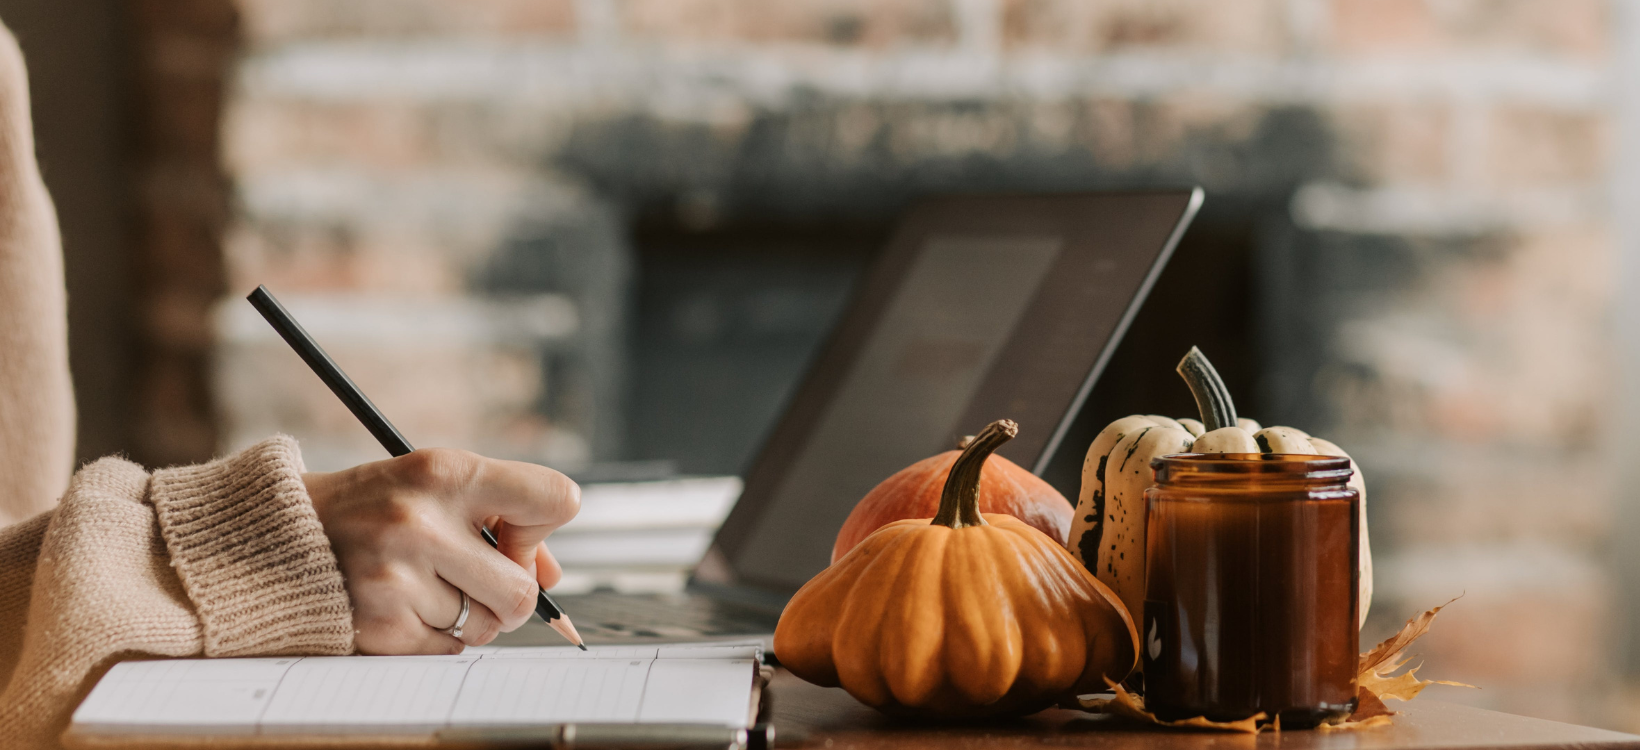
[[1208, 467]]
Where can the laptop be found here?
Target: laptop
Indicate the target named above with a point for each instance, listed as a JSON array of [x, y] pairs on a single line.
[[982, 307]]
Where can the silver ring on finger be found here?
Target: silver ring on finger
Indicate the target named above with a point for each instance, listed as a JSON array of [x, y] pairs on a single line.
[[461, 619]]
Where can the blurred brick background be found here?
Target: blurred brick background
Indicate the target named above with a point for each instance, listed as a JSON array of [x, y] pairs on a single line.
[[462, 197]]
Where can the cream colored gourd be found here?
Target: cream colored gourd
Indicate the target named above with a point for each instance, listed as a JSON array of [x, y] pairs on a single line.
[[1108, 531]]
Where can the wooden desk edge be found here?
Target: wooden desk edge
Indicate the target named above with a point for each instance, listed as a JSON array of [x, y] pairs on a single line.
[[828, 717], [829, 714]]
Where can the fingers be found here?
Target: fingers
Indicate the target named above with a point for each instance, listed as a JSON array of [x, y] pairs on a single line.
[[505, 587], [529, 502], [386, 599], [521, 502], [522, 494], [407, 636], [401, 609], [547, 570], [482, 626], [517, 543], [405, 534], [440, 608]]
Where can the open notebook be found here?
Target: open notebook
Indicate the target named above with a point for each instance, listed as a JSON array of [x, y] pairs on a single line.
[[700, 684]]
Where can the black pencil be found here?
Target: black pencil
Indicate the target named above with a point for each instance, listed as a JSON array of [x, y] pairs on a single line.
[[376, 422]]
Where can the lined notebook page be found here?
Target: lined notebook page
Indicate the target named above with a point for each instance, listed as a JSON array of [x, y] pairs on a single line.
[[411, 694], [519, 691], [703, 691], [223, 696], [709, 684]]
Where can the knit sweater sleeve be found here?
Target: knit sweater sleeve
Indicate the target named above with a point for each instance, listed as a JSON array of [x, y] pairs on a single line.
[[219, 559], [36, 396], [247, 545]]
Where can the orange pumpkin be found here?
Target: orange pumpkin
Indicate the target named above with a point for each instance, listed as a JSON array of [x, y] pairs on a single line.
[[914, 492], [964, 616]]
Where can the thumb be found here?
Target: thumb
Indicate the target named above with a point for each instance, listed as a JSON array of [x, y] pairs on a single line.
[[517, 543], [547, 570]]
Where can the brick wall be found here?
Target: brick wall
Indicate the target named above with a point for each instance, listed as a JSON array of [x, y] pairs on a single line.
[[181, 56], [429, 181]]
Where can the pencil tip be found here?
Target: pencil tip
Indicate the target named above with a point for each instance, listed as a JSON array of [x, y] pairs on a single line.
[[566, 629], [581, 646]]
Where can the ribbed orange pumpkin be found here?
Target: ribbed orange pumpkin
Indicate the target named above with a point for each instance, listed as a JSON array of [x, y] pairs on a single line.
[[964, 616], [914, 492]]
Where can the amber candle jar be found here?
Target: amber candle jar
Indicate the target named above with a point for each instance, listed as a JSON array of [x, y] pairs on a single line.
[[1251, 590]]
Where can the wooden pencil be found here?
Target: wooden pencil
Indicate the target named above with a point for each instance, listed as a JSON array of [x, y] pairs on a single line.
[[377, 423]]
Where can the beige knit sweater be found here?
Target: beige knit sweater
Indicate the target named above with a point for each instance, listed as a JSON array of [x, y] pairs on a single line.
[[222, 559]]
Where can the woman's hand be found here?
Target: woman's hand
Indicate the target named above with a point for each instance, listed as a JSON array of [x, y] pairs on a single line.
[[405, 532]]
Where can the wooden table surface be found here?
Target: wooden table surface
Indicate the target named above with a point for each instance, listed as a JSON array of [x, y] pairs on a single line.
[[812, 716]]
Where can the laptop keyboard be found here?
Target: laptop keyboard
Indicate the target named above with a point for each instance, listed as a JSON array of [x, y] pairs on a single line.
[[602, 617]]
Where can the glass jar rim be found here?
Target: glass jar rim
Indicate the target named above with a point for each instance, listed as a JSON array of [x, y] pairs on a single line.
[[1228, 466]]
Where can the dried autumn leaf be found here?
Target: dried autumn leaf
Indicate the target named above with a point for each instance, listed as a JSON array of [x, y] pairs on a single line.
[[1345, 726], [1377, 679], [1404, 686], [1369, 706], [1391, 648], [1369, 712], [1133, 707]]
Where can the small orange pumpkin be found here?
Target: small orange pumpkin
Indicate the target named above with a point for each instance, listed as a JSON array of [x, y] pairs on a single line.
[[964, 616], [914, 492]]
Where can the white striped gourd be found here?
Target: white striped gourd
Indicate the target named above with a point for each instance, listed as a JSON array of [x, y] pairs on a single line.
[[1108, 531]]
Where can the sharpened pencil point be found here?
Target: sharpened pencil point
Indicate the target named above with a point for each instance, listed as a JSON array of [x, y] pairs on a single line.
[[581, 646], [566, 629]]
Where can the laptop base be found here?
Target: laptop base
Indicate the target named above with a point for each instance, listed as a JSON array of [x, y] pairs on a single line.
[[615, 618]]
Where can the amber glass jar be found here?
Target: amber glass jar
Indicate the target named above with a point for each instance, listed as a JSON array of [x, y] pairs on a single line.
[[1251, 590]]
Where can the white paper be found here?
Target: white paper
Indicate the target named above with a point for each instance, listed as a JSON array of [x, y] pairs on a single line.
[[698, 691], [412, 694], [217, 695], [552, 691], [692, 683], [647, 653]]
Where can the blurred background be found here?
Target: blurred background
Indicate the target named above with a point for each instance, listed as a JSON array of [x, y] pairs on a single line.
[[607, 235]]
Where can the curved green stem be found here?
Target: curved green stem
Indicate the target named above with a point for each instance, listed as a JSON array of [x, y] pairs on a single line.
[[1212, 397], [959, 502]]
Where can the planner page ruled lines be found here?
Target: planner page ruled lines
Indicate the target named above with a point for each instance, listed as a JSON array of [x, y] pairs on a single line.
[[749, 649], [745, 650], [552, 691], [223, 696], [699, 691], [418, 695], [557, 653], [376, 694]]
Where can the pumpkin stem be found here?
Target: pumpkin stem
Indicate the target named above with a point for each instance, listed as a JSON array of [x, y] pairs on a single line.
[[959, 502], [1212, 397]]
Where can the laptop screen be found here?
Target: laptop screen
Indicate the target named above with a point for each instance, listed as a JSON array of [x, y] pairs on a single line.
[[981, 308], [933, 345]]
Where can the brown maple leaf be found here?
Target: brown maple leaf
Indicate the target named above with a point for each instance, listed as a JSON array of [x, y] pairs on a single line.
[[1375, 681], [1392, 647], [1369, 712], [1376, 678], [1133, 707]]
